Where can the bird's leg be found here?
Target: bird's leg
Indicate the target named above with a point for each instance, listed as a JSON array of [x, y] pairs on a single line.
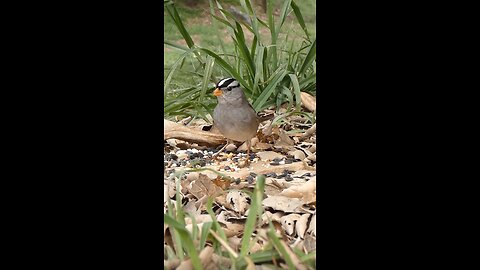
[[225, 146], [249, 143]]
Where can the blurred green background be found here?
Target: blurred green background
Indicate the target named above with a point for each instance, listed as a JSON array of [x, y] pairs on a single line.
[[271, 50]]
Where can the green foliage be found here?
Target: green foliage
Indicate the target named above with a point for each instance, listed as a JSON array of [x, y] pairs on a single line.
[[270, 62]]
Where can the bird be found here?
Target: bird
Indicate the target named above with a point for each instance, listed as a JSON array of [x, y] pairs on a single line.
[[234, 116]]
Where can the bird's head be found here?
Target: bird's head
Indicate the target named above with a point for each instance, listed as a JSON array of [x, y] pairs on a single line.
[[228, 89]]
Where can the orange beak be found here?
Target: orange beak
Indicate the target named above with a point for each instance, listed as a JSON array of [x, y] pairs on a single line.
[[217, 92]]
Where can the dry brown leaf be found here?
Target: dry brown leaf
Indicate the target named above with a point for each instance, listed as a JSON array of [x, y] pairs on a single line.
[[309, 132], [297, 154], [171, 264], [235, 228], [203, 186], [281, 203], [310, 243], [192, 208], [306, 192], [308, 101], [199, 219], [222, 183], [269, 155], [268, 216], [263, 146], [222, 262], [285, 140], [301, 225], [288, 223], [312, 228], [237, 200], [263, 168], [235, 242]]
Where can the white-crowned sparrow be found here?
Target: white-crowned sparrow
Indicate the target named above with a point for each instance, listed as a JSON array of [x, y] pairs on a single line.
[[234, 117]]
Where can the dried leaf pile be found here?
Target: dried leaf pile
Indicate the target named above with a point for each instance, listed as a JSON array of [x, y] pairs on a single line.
[[283, 151]]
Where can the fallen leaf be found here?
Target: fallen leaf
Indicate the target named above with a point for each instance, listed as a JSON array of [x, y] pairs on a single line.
[[237, 201], [301, 225], [203, 186], [308, 101], [282, 203], [288, 223]]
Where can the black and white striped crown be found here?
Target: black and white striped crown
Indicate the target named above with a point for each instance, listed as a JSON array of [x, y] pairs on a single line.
[[227, 83]]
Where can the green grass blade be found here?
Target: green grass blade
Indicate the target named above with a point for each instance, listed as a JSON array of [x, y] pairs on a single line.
[[265, 256], [227, 23], [203, 237], [300, 19], [296, 90], [215, 25], [258, 70], [243, 50], [206, 77], [172, 11], [175, 46], [272, 54], [307, 80], [267, 92], [283, 14], [172, 71], [281, 249], [228, 68], [186, 239], [255, 210], [289, 95], [312, 52], [250, 11]]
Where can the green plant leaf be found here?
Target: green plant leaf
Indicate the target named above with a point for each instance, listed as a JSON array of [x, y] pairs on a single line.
[[254, 211], [309, 58], [296, 90], [300, 20], [262, 99], [186, 238]]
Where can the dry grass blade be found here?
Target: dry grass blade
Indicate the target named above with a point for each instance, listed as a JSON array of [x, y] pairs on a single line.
[[224, 244]]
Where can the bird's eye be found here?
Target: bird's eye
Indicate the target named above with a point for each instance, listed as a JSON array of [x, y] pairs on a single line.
[[228, 88]]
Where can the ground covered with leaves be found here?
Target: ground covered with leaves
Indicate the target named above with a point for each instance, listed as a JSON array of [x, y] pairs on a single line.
[[231, 211]]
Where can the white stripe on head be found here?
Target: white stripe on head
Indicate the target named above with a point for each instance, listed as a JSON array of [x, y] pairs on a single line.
[[220, 83], [233, 84]]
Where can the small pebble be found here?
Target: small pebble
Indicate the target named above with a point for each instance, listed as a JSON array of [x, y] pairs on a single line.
[[250, 179], [288, 178], [169, 157], [182, 154], [271, 174], [198, 161], [231, 147]]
